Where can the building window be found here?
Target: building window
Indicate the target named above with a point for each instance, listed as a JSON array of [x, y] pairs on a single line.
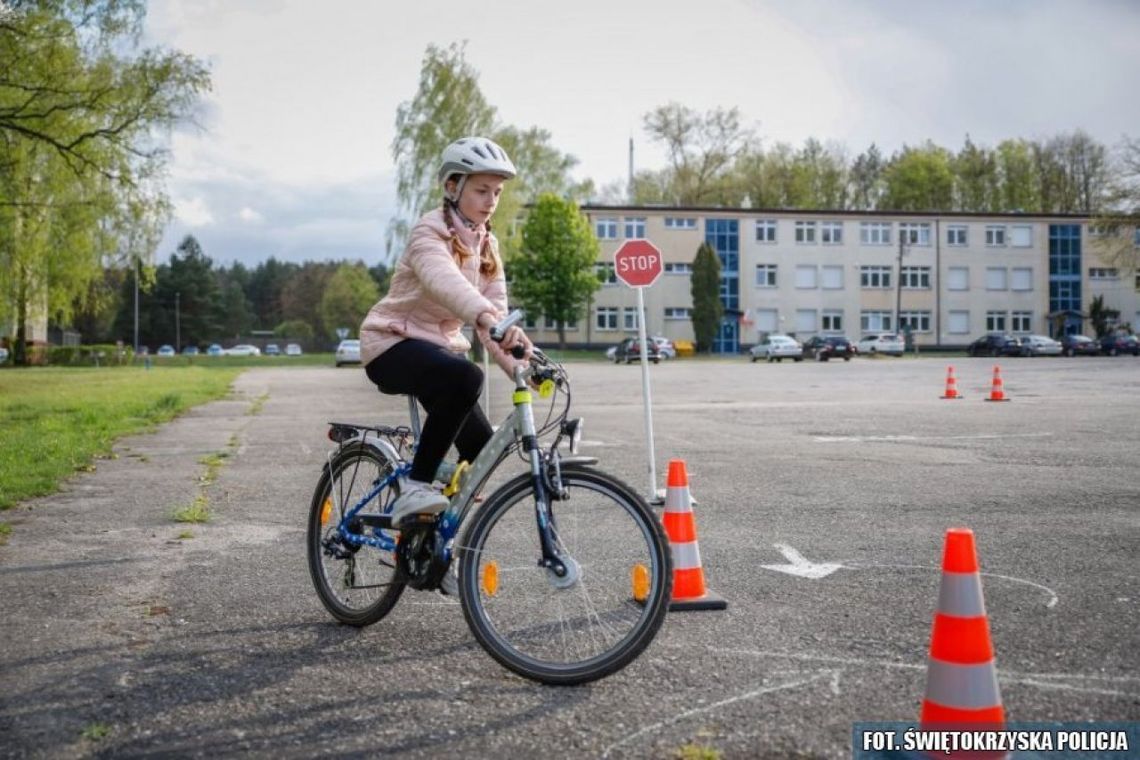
[[805, 320], [680, 223], [765, 275], [914, 233], [767, 320], [629, 318], [1021, 321], [875, 321], [915, 278], [959, 323], [916, 321], [806, 276], [678, 312], [1104, 273], [875, 277], [530, 322], [766, 231], [995, 236], [606, 228], [995, 321], [831, 233], [956, 234], [958, 278], [635, 227], [605, 274], [996, 278], [606, 318], [805, 232], [672, 267], [832, 321], [1021, 278], [832, 277], [875, 233], [1020, 236]]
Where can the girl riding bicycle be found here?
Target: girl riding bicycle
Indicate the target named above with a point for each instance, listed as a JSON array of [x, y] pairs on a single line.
[[411, 341]]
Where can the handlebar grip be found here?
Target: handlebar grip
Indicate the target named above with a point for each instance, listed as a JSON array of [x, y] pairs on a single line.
[[518, 352], [497, 332]]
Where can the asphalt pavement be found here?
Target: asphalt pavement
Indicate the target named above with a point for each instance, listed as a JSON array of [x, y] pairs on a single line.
[[823, 491]]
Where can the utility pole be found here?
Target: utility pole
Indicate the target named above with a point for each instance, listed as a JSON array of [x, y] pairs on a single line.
[[136, 306], [898, 287], [177, 323]]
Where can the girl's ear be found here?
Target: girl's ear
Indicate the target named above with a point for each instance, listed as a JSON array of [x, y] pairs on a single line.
[[450, 186]]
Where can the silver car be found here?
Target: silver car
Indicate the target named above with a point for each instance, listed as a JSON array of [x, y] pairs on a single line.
[[881, 343], [776, 348], [1039, 345], [348, 352]]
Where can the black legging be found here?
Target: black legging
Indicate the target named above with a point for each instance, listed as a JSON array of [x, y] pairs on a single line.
[[448, 386]]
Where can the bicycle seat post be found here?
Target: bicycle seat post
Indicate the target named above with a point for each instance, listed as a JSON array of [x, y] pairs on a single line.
[[414, 416]]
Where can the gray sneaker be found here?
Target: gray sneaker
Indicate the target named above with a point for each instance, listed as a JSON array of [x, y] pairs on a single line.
[[449, 585], [417, 498]]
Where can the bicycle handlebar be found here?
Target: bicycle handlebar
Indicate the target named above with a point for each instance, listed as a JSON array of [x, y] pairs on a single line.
[[499, 331]]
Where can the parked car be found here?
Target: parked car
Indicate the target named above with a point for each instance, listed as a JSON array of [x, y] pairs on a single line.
[[995, 344], [3, 354], [190, 351], [1072, 345], [215, 350], [1120, 344], [665, 347], [243, 349], [629, 351], [166, 350], [292, 349], [776, 348], [1039, 345], [824, 347], [881, 343], [348, 352], [272, 350]]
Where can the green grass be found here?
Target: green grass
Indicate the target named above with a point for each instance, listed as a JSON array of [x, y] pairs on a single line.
[[57, 420], [197, 511], [697, 752], [214, 362], [213, 463], [5, 531], [96, 731]]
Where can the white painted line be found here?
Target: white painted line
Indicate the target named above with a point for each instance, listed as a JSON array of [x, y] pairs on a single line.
[[830, 674], [1053, 598], [801, 566], [890, 438]]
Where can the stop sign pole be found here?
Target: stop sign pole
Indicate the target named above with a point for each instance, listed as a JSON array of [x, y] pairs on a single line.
[[638, 263]]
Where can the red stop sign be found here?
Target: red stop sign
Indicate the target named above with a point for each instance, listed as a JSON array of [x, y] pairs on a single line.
[[638, 263]]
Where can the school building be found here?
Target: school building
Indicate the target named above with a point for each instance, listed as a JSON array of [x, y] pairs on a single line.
[[839, 272]]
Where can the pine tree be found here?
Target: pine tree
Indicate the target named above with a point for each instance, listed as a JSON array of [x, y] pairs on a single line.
[[708, 310]]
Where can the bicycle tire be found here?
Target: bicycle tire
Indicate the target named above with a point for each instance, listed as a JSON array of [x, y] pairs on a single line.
[[336, 579], [602, 519]]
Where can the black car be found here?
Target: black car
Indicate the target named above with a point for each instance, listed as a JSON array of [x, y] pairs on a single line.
[[1120, 344], [629, 351], [1078, 345], [824, 347], [995, 345]]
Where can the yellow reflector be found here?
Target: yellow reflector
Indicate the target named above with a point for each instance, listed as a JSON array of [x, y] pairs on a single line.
[[640, 583], [326, 510], [490, 580], [546, 388]]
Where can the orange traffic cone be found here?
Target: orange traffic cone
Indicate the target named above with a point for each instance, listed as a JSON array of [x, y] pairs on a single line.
[[689, 592], [961, 682], [951, 384], [998, 392]]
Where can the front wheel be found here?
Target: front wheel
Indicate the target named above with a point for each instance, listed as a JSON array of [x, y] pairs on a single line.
[[597, 618], [357, 583]]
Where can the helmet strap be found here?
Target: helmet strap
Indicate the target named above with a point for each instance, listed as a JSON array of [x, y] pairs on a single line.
[[454, 204]]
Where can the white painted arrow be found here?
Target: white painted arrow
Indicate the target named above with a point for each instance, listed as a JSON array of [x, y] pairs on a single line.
[[800, 566]]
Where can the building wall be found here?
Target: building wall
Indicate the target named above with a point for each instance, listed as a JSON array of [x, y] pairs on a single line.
[[1005, 259]]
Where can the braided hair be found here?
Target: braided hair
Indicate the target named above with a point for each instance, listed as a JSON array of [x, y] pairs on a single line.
[[488, 261]]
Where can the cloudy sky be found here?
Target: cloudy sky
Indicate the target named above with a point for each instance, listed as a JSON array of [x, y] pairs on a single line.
[[293, 159]]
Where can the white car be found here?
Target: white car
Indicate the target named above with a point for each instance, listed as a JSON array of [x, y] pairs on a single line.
[[243, 349], [3, 354], [881, 343], [348, 352], [1039, 345], [293, 349], [665, 347], [776, 348]]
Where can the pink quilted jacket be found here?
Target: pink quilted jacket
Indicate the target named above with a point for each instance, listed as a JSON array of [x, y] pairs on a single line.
[[431, 297]]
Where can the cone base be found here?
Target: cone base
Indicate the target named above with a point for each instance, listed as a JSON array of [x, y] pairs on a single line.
[[709, 601], [950, 398], [997, 399]]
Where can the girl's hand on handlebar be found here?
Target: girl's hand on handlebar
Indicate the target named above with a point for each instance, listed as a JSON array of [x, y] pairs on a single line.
[[514, 339]]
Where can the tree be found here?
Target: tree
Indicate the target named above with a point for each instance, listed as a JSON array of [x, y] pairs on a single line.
[[1019, 189], [1117, 243], [866, 179], [701, 150], [976, 184], [447, 106], [80, 165], [553, 274], [1100, 317], [708, 309], [919, 179], [347, 297], [302, 293]]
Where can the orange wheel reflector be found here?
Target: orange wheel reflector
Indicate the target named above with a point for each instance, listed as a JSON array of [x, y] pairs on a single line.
[[640, 583], [326, 510], [490, 580]]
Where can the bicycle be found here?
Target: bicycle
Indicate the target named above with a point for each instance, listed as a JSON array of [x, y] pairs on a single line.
[[564, 572]]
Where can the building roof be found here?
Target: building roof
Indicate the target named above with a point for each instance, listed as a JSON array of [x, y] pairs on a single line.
[[732, 210]]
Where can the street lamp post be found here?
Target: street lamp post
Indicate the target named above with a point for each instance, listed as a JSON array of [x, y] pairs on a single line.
[[177, 322], [898, 287]]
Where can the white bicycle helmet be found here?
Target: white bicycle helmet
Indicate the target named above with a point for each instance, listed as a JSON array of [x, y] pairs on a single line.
[[473, 155]]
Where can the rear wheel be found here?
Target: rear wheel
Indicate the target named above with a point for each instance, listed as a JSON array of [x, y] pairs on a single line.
[[358, 584], [595, 620]]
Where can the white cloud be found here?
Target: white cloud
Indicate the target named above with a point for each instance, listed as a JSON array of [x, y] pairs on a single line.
[[250, 216], [193, 212]]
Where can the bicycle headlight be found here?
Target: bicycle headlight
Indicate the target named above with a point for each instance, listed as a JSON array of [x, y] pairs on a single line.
[[572, 429]]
